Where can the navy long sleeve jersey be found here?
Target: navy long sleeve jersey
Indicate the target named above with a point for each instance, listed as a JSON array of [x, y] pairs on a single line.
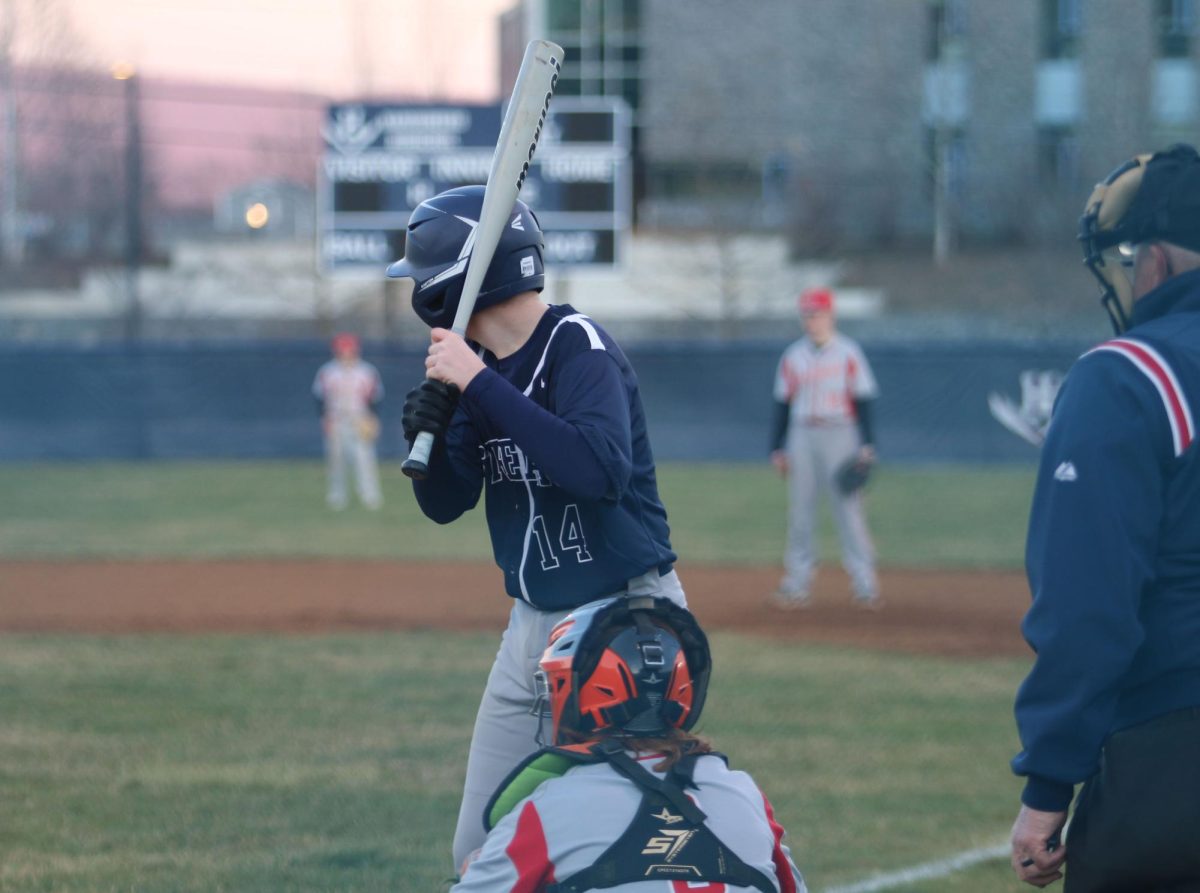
[[1113, 554], [556, 433]]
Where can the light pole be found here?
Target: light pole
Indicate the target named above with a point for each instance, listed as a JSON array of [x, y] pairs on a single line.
[[125, 73]]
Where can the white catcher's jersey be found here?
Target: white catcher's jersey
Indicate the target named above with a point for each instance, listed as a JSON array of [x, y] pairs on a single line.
[[567, 823], [822, 383], [348, 389]]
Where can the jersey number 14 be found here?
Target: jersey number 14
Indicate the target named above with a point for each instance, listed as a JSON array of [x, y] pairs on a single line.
[[570, 539]]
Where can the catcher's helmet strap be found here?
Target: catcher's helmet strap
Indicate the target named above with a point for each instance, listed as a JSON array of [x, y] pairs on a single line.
[[640, 853]]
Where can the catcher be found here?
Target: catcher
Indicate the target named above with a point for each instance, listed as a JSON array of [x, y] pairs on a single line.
[[628, 798], [823, 441], [348, 390]]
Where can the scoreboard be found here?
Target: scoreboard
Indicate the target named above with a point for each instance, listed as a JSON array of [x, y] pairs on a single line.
[[381, 161]]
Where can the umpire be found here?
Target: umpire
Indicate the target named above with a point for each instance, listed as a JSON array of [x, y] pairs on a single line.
[[1113, 557]]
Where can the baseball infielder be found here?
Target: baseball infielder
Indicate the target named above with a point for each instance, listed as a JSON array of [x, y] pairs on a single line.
[[550, 422], [347, 390], [823, 389]]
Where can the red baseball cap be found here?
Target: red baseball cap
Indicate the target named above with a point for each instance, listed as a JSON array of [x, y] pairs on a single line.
[[816, 300], [344, 341]]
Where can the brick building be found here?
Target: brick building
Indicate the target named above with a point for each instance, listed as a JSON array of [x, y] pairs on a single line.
[[866, 123]]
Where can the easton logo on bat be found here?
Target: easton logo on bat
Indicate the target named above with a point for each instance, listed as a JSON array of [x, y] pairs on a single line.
[[537, 133]]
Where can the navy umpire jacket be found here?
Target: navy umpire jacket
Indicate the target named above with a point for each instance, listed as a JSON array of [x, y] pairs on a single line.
[[1113, 554]]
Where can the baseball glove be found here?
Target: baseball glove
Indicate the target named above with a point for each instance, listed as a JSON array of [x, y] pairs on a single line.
[[852, 475], [368, 427]]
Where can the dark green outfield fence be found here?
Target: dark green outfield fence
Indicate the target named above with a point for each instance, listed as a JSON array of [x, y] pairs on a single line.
[[705, 401]]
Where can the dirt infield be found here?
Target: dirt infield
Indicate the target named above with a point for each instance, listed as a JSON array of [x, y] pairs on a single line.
[[936, 612]]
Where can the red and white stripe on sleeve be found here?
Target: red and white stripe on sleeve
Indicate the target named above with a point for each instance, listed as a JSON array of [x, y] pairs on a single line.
[[784, 867], [529, 853], [1151, 363]]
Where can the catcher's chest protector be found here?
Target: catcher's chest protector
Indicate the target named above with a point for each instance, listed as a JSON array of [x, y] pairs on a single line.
[[667, 839]]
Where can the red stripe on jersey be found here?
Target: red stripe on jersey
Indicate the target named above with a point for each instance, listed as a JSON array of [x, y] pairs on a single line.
[[697, 887], [529, 854], [783, 869], [851, 374], [1181, 422], [791, 379]]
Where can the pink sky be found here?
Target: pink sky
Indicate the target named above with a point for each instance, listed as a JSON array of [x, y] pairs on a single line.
[[417, 49]]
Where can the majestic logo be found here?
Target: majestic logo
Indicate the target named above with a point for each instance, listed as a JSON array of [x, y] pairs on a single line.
[[1031, 418], [1066, 472]]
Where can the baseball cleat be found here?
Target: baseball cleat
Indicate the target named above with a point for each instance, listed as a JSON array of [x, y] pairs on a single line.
[[791, 600]]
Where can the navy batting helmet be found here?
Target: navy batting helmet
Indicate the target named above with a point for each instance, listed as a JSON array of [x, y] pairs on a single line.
[[438, 243]]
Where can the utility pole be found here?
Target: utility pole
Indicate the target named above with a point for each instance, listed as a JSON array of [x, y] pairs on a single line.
[[12, 236], [943, 215], [133, 199]]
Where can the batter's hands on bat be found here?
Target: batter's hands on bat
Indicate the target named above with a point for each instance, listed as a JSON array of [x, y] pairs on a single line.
[[452, 360], [428, 407], [1037, 854], [780, 460]]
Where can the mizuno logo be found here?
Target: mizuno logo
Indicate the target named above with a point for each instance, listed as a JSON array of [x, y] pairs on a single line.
[[1066, 472]]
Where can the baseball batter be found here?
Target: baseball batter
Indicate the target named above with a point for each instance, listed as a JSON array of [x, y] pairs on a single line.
[[348, 390], [543, 412], [823, 393], [661, 812]]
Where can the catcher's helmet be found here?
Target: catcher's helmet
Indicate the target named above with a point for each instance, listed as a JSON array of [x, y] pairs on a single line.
[[1148, 198], [438, 243], [630, 666]]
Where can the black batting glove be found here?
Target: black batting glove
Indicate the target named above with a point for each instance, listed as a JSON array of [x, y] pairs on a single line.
[[428, 407]]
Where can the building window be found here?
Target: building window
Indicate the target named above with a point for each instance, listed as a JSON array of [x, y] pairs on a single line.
[[947, 28], [602, 42], [1176, 24], [1062, 23], [705, 179], [1058, 157]]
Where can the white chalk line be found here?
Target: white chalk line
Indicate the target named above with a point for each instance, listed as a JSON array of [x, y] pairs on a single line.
[[926, 871]]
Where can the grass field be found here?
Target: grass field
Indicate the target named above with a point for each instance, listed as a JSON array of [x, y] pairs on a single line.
[[333, 762], [954, 517]]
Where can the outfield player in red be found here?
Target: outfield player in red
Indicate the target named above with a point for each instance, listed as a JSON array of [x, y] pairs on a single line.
[[542, 410], [1113, 556], [628, 798], [823, 393], [348, 390]]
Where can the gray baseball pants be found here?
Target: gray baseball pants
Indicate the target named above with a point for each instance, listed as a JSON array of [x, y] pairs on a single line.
[[345, 448], [814, 454], [506, 729]]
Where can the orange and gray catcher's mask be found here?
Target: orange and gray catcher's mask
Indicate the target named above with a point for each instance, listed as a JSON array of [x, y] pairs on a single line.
[[633, 666]]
